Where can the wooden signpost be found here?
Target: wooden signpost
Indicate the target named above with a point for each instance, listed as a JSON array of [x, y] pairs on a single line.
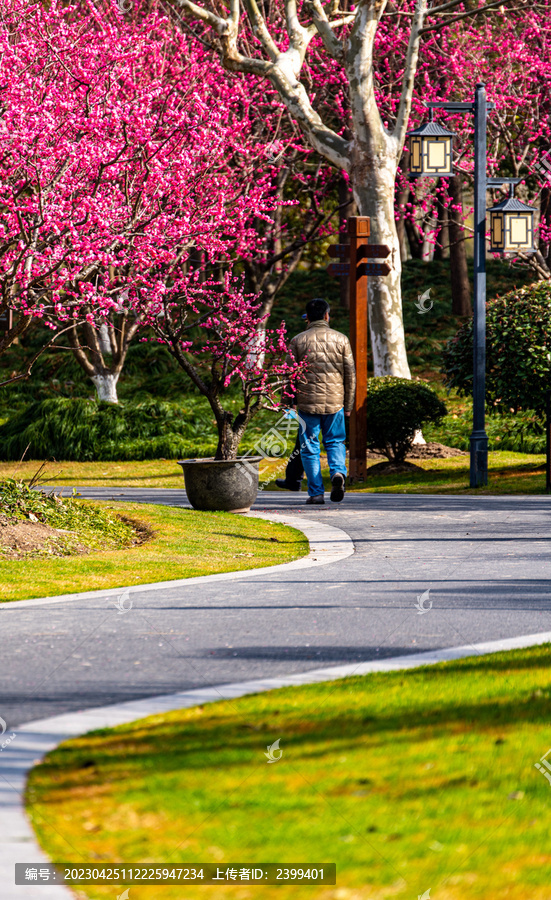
[[355, 252]]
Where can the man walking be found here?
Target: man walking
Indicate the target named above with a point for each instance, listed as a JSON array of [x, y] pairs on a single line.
[[324, 396]]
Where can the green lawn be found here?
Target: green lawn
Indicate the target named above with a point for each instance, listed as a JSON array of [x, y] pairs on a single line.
[[408, 781], [185, 543], [509, 473], [143, 473]]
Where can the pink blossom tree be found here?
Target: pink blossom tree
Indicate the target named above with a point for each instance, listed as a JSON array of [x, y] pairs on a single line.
[[122, 154], [120, 169]]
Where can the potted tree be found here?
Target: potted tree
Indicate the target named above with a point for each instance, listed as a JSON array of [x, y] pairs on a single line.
[[214, 332]]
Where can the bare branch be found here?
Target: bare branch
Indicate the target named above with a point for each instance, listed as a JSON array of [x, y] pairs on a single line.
[[408, 81], [19, 328], [331, 42], [472, 12], [299, 36], [260, 29], [283, 71], [536, 261], [221, 26], [26, 374]]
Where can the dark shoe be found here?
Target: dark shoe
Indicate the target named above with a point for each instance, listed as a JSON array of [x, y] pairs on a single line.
[[281, 483], [337, 492], [318, 500]]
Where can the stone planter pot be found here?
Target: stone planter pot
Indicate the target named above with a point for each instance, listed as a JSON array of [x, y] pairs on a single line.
[[220, 484]]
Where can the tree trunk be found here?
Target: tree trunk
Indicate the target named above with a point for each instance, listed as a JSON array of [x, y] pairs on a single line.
[[106, 387], [414, 241], [401, 200], [429, 226], [103, 338], [459, 272], [257, 354], [228, 440], [91, 344], [442, 247], [402, 238], [346, 208], [373, 185]]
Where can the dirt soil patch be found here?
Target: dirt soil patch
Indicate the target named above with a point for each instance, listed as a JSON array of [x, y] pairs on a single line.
[[22, 538], [392, 468], [19, 538], [434, 450], [430, 450]]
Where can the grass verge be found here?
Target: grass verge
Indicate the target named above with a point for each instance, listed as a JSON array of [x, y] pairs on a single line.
[[408, 781], [185, 543], [509, 473], [163, 473]]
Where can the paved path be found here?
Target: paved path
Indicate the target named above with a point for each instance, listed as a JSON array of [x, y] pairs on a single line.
[[485, 560]]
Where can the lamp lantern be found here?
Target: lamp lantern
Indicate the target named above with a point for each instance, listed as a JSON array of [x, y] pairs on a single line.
[[511, 226], [431, 150]]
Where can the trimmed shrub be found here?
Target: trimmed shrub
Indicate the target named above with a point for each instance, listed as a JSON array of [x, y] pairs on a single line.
[[518, 351], [78, 429], [396, 409]]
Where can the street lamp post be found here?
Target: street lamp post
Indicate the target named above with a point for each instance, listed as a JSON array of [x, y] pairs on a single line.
[[524, 228], [479, 438]]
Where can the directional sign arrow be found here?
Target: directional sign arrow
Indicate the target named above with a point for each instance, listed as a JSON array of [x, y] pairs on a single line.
[[338, 270], [373, 269], [367, 251], [339, 251], [373, 251]]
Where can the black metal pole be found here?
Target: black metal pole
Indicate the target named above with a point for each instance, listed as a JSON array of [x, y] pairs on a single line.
[[479, 438]]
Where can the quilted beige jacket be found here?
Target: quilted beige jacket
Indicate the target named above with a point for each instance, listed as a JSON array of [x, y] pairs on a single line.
[[329, 382]]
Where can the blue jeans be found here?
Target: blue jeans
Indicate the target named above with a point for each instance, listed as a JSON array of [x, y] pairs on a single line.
[[334, 434]]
